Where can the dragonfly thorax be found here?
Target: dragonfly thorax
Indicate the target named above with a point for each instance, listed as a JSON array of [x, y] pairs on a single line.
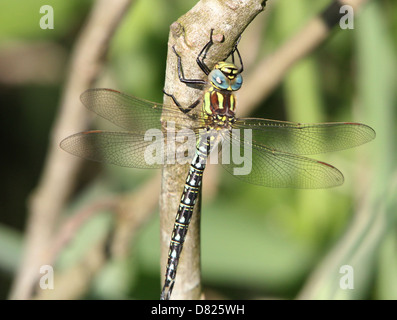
[[219, 108]]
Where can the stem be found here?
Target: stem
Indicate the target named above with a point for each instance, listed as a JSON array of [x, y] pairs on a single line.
[[60, 170], [189, 35]]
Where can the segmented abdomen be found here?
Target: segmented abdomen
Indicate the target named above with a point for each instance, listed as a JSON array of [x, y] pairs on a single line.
[[184, 214]]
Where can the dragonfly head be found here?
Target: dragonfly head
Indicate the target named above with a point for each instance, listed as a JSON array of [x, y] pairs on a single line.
[[225, 76]]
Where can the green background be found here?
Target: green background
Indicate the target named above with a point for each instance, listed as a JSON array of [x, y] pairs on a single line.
[[256, 242]]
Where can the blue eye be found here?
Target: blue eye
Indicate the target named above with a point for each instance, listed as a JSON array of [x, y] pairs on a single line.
[[237, 82], [218, 79]]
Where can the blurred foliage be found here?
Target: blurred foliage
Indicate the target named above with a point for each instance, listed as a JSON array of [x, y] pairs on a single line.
[[256, 242], [20, 19]]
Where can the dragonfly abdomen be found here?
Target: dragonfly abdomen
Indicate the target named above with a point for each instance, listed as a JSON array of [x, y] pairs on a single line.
[[184, 214]]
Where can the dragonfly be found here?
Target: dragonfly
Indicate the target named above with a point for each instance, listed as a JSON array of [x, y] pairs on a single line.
[[275, 150]]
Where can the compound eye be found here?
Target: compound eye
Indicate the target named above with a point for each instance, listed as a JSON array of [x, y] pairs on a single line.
[[237, 82], [218, 79]]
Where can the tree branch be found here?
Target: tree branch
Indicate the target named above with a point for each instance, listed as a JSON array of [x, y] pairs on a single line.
[[60, 169], [189, 35]]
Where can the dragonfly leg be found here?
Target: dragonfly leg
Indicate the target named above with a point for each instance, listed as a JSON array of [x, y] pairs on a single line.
[[198, 83], [185, 110], [203, 53], [235, 49]]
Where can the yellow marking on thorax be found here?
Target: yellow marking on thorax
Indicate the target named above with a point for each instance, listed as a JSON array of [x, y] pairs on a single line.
[[220, 99], [232, 102], [207, 103]]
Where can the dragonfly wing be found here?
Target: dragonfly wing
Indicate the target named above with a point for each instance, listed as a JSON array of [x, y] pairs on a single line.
[[120, 148], [129, 112], [306, 139], [271, 168], [129, 149]]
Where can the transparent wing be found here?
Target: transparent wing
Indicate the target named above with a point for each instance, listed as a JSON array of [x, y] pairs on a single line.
[[128, 149], [263, 166], [132, 113], [271, 157], [306, 139]]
